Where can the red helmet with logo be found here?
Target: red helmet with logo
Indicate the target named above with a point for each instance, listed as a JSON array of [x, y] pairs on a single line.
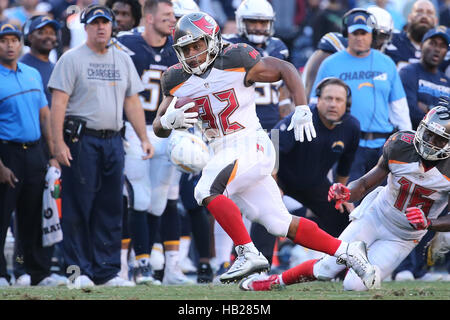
[[191, 28]]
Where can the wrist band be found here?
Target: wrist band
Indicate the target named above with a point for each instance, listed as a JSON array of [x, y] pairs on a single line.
[[285, 101]]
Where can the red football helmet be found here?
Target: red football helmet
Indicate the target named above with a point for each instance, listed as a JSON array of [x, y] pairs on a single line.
[[432, 138], [191, 28]]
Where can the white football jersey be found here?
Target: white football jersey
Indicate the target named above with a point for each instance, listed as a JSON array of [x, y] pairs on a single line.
[[226, 104], [409, 184]]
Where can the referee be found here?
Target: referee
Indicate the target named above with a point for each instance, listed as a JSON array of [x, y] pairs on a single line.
[[24, 117]]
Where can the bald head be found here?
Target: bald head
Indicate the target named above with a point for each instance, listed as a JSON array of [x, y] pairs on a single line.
[[421, 19]]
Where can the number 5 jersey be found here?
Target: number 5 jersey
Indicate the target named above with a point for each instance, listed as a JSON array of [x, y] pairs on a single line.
[[150, 63]]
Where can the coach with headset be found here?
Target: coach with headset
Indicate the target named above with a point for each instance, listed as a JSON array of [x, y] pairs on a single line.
[[91, 87], [379, 100], [303, 167]]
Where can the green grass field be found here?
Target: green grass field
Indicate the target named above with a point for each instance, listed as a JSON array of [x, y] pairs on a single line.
[[306, 291]]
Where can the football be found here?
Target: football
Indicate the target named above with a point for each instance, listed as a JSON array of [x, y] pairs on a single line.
[[181, 101]]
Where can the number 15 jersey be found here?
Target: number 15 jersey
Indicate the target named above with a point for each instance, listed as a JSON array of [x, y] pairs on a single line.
[[226, 104], [410, 185]]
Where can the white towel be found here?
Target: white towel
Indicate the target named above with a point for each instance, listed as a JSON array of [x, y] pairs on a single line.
[[51, 228]]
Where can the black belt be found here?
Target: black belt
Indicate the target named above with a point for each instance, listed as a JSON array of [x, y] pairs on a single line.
[[375, 135], [104, 134], [24, 145]]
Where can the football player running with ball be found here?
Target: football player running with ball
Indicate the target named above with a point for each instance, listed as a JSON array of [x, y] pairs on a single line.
[[237, 179], [391, 219]]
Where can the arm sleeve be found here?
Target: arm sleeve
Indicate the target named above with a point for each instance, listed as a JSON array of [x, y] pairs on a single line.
[[59, 78], [399, 114]]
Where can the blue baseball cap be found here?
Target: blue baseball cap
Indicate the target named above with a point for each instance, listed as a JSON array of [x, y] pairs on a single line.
[[39, 22], [359, 21], [8, 28], [441, 31], [99, 12]]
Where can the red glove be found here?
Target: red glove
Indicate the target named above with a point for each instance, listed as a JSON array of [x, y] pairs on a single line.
[[417, 218], [338, 192]]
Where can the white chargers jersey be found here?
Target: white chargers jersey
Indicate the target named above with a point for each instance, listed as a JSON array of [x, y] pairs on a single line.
[[409, 184], [227, 105]]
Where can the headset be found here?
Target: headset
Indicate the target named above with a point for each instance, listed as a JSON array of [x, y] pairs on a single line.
[[83, 19], [333, 80], [26, 31], [371, 22], [91, 7]]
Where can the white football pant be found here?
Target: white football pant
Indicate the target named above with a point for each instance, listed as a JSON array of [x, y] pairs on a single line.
[[151, 179], [241, 169], [385, 250]]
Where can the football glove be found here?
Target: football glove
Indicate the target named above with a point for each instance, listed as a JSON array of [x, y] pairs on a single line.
[[302, 124], [339, 193], [417, 218], [176, 118]]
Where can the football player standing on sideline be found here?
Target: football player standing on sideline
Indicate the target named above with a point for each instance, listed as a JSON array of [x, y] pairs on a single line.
[[148, 181], [90, 95], [393, 218], [237, 179], [128, 15]]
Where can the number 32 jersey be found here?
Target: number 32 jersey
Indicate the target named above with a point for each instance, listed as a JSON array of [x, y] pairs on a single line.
[[226, 104], [410, 185]]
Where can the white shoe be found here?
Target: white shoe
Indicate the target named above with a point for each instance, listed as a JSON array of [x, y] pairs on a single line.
[[143, 273], [187, 266], [119, 282], [81, 282], [174, 276], [61, 280], [23, 281], [404, 275], [261, 282], [4, 282], [246, 263], [356, 258], [157, 257], [48, 282], [446, 277], [431, 277]]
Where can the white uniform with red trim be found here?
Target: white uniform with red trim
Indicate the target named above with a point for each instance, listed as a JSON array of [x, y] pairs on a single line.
[[243, 154], [380, 219]]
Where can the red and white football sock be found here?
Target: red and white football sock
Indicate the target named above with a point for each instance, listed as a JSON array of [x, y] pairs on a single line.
[[300, 273], [229, 217], [309, 235]]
